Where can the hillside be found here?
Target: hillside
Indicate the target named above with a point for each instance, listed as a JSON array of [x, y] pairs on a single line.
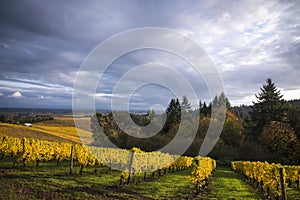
[[295, 102], [61, 129], [243, 110]]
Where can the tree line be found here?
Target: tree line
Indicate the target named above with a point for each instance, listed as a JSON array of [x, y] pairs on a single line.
[[269, 131], [23, 118], [270, 127]]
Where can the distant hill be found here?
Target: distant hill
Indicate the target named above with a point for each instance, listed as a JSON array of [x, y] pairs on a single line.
[[295, 102], [243, 110], [36, 111]]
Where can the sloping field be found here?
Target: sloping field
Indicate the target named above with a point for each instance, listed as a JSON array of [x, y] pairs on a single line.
[[60, 129], [23, 131]]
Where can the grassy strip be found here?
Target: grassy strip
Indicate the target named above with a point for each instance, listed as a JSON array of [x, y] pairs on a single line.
[[227, 185], [224, 184], [171, 186], [292, 193]]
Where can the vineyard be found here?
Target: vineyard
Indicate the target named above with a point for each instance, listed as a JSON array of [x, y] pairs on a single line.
[[134, 163], [124, 171], [270, 179]]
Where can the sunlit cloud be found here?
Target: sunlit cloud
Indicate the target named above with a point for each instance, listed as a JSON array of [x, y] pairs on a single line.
[[16, 94]]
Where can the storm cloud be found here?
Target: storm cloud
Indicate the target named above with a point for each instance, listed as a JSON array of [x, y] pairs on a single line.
[[43, 43]]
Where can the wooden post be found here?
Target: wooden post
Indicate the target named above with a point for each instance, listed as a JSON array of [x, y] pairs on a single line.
[[23, 149], [121, 180], [130, 167], [282, 182], [159, 173], [197, 186], [71, 159], [80, 170], [23, 145], [153, 174]]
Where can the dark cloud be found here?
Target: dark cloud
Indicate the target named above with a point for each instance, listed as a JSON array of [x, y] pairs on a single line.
[[42, 45]]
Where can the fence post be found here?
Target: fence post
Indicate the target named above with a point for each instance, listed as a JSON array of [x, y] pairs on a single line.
[[23, 150], [71, 159], [130, 167], [23, 145], [282, 183], [197, 186]]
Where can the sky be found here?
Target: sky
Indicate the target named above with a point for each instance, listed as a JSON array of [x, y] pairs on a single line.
[[44, 43]]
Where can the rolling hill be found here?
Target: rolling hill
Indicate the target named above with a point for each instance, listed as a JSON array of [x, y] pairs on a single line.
[[61, 129]]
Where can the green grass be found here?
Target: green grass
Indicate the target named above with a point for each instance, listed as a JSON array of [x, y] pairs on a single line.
[[50, 181], [227, 182], [227, 185], [293, 194], [53, 182], [172, 186]]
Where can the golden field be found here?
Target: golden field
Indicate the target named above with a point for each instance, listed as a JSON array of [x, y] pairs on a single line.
[[61, 129]]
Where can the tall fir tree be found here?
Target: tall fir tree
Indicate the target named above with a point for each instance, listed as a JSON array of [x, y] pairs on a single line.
[[205, 109], [173, 115], [221, 100], [269, 107], [185, 105]]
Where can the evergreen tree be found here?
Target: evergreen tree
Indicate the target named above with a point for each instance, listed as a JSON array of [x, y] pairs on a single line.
[[209, 109], [186, 109], [204, 109], [269, 107], [173, 115], [185, 105], [221, 100], [215, 102], [200, 105], [177, 111], [151, 113]]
